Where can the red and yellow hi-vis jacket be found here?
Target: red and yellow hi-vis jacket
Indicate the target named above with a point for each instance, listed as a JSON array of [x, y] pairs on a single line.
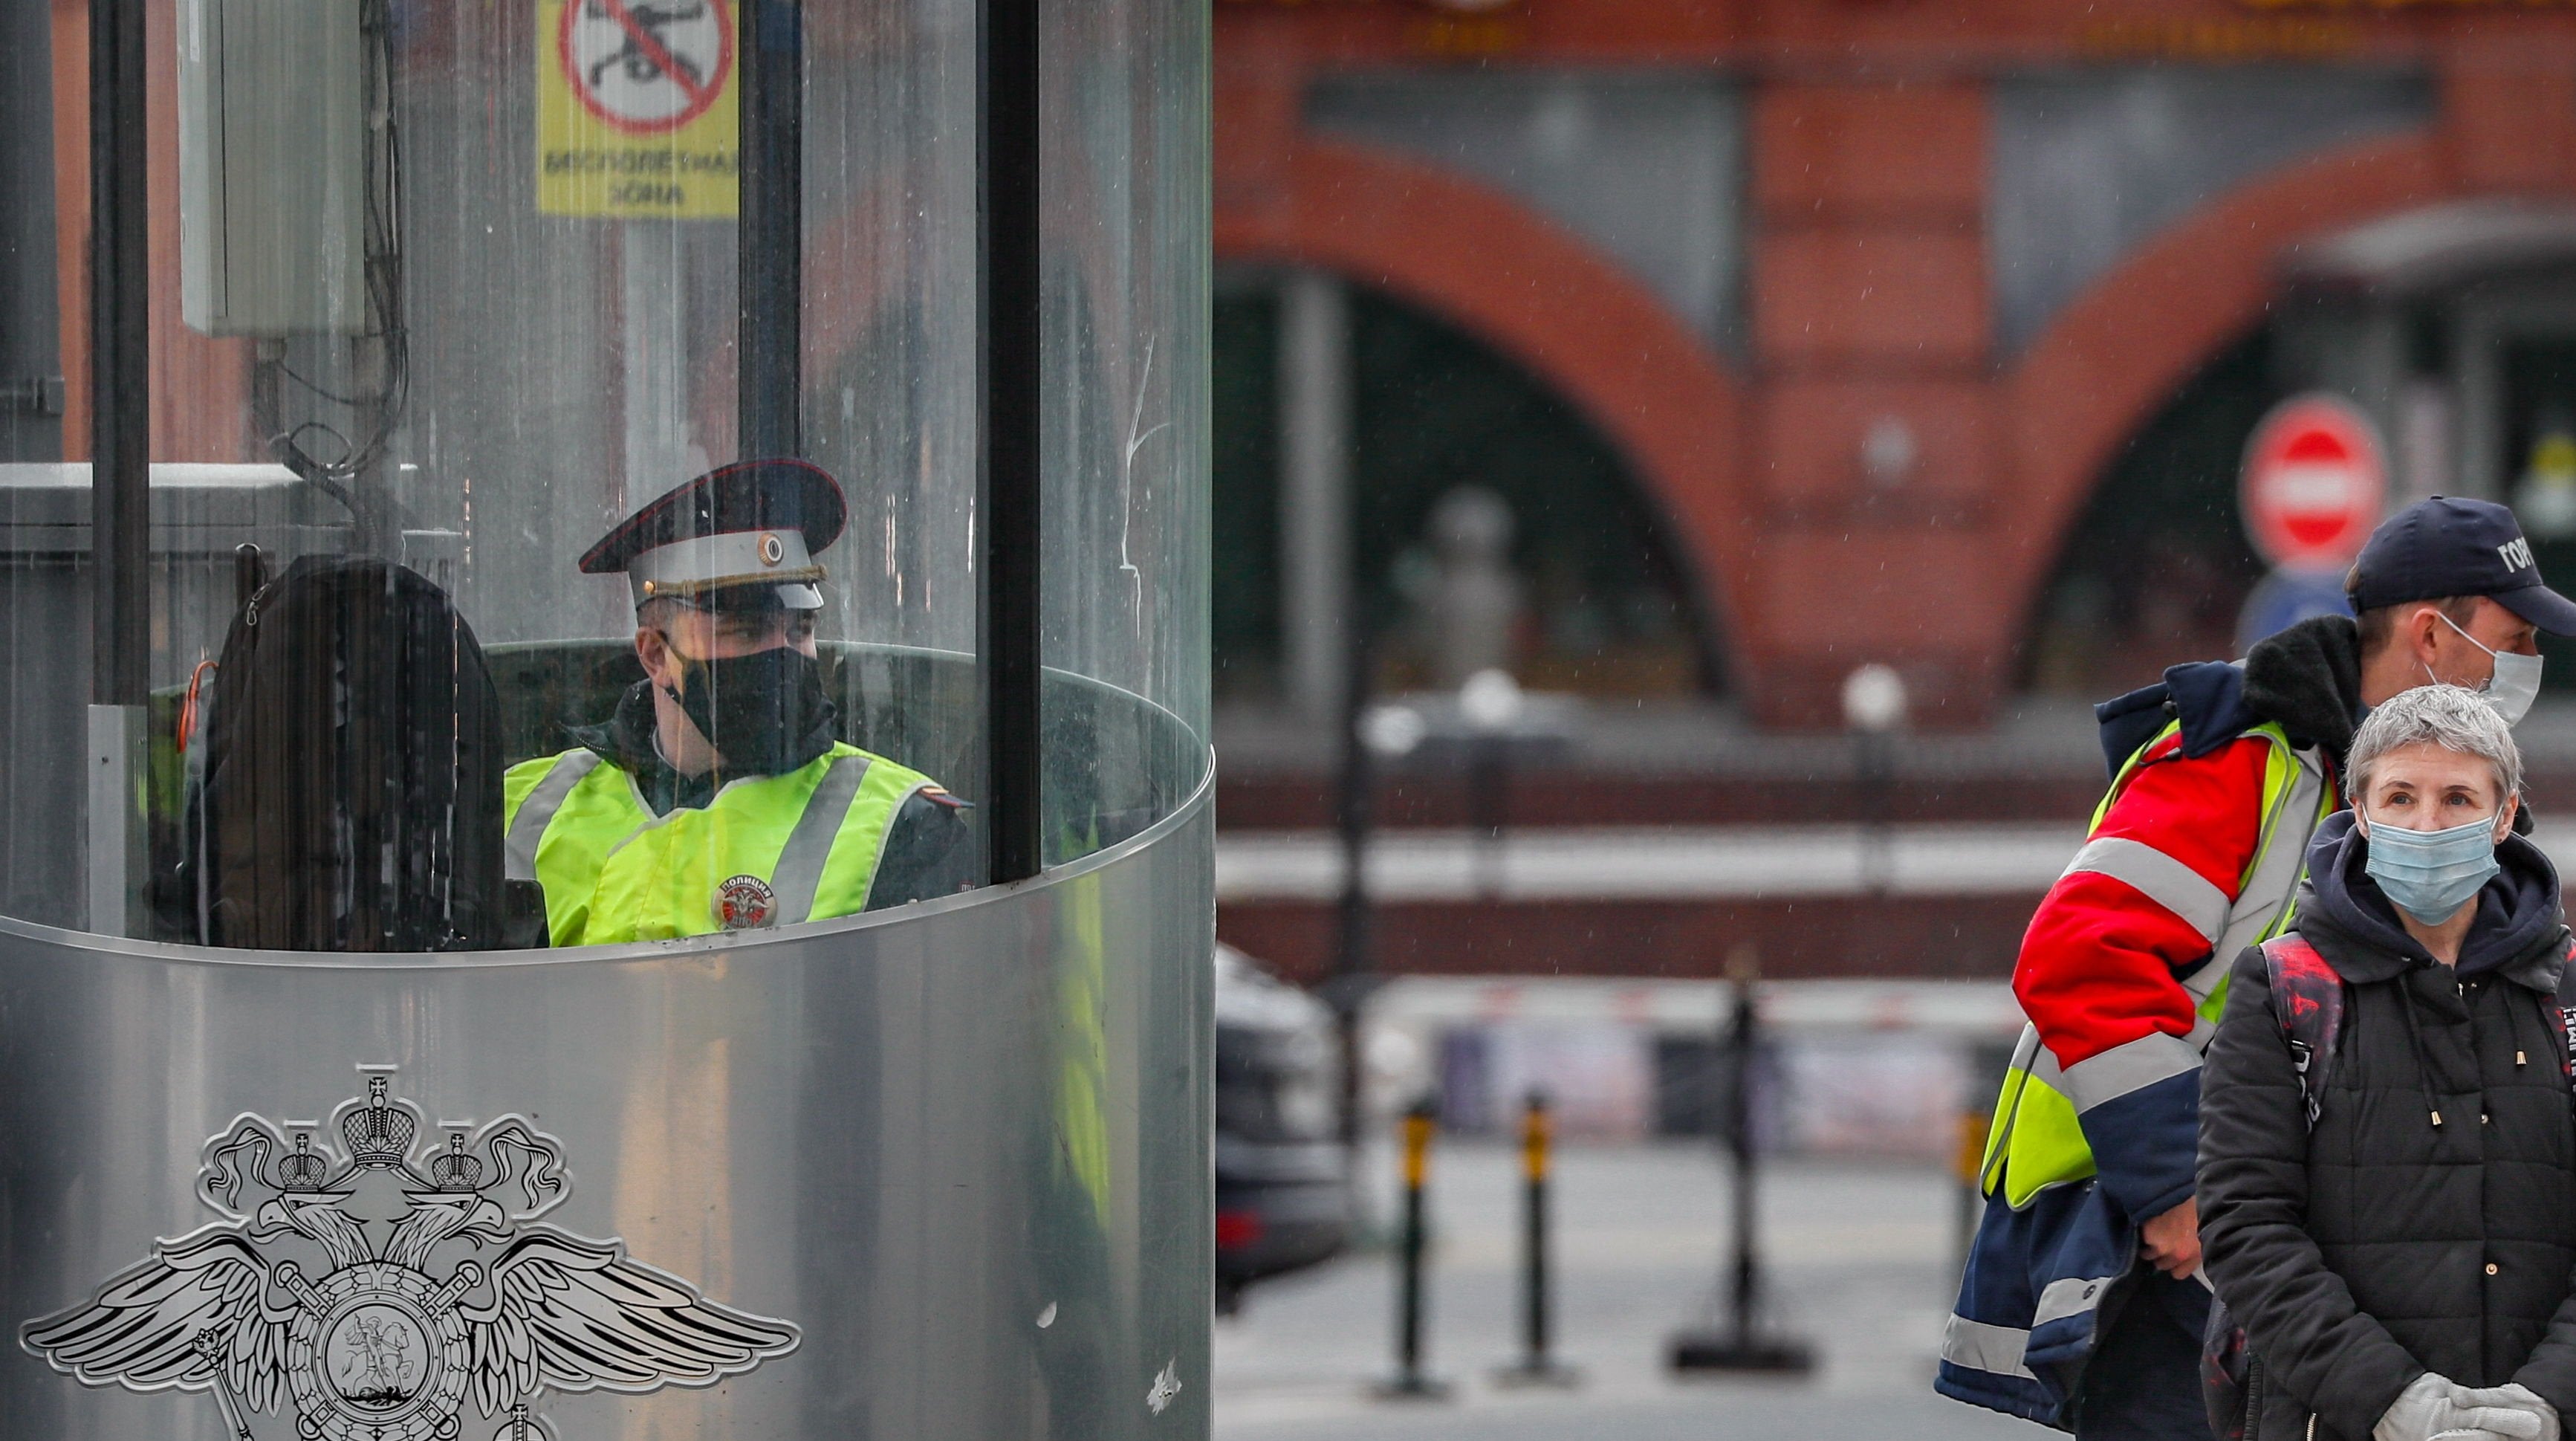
[[2101, 970]]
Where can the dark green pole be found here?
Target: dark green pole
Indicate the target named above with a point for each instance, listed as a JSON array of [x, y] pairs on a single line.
[[120, 358], [770, 233], [1008, 510]]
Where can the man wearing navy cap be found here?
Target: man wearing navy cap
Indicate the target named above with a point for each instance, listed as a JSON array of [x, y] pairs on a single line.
[[2447, 591], [717, 798], [2081, 1306]]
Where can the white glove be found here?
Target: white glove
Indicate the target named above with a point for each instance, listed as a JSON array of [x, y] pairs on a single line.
[[2515, 1397], [2431, 1407]]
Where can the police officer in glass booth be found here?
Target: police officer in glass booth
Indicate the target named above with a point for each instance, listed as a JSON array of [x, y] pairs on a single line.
[[716, 796]]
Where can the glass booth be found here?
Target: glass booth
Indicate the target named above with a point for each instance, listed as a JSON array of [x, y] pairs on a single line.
[[551, 555]]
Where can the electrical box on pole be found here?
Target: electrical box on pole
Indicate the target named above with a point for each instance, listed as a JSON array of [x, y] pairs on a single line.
[[273, 131]]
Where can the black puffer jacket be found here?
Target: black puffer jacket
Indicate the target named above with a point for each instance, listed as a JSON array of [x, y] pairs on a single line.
[[2381, 1246]]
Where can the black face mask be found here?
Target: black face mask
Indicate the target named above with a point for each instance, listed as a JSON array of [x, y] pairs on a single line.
[[765, 712]]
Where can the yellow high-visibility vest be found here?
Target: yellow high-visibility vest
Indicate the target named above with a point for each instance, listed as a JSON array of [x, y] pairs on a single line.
[[763, 850]]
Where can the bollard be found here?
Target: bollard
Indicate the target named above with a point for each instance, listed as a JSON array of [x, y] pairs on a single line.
[[1410, 1382], [1536, 1367], [1988, 1060], [1745, 1343], [1534, 1139], [1970, 1167]]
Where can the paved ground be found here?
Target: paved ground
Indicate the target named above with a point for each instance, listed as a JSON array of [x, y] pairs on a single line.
[[1863, 1257]]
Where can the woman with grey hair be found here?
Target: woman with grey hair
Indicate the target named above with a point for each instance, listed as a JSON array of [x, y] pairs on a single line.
[[2387, 1149]]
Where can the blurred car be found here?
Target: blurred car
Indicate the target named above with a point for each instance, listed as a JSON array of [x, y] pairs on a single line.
[[1283, 1186]]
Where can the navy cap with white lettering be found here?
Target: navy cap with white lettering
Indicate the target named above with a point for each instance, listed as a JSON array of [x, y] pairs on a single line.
[[2449, 546]]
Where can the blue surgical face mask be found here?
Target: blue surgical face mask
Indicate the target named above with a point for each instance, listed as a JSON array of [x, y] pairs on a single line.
[[2430, 874], [2517, 678]]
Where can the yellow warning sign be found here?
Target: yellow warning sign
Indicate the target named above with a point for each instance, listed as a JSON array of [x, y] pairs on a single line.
[[636, 111]]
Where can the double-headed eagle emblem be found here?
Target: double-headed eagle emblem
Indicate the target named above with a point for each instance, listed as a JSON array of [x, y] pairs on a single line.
[[384, 1287]]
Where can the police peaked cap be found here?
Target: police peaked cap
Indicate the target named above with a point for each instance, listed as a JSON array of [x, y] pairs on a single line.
[[752, 523]]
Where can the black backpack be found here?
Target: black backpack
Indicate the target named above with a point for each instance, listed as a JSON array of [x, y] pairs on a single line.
[[351, 798]]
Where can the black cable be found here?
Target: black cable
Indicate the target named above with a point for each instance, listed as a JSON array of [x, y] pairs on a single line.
[[288, 371], [292, 438], [383, 278]]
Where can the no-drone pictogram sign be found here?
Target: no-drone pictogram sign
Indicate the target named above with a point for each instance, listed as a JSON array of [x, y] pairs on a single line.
[[636, 110], [646, 66]]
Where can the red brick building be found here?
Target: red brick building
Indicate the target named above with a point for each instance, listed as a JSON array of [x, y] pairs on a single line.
[[1896, 262], [1928, 333]]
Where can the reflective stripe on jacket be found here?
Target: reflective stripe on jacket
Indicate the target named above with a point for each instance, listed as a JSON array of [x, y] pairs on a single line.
[[777, 850], [2057, 1232], [2038, 1140]]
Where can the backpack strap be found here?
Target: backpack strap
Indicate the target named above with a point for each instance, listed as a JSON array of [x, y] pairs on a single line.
[[2561, 1012], [2307, 1004]]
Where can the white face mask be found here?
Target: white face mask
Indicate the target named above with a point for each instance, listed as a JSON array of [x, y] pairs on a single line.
[[2516, 683]]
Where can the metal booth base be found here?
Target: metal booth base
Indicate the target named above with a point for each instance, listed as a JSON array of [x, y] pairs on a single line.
[[940, 1172]]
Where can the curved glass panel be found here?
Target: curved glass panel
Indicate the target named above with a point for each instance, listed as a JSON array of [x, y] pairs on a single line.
[[1125, 350], [483, 606]]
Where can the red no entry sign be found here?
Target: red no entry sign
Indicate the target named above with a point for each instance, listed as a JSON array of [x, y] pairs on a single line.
[[2313, 482], [646, 66]]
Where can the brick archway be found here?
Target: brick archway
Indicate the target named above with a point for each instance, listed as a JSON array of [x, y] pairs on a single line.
[[1494, 268], [2121, 348]]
